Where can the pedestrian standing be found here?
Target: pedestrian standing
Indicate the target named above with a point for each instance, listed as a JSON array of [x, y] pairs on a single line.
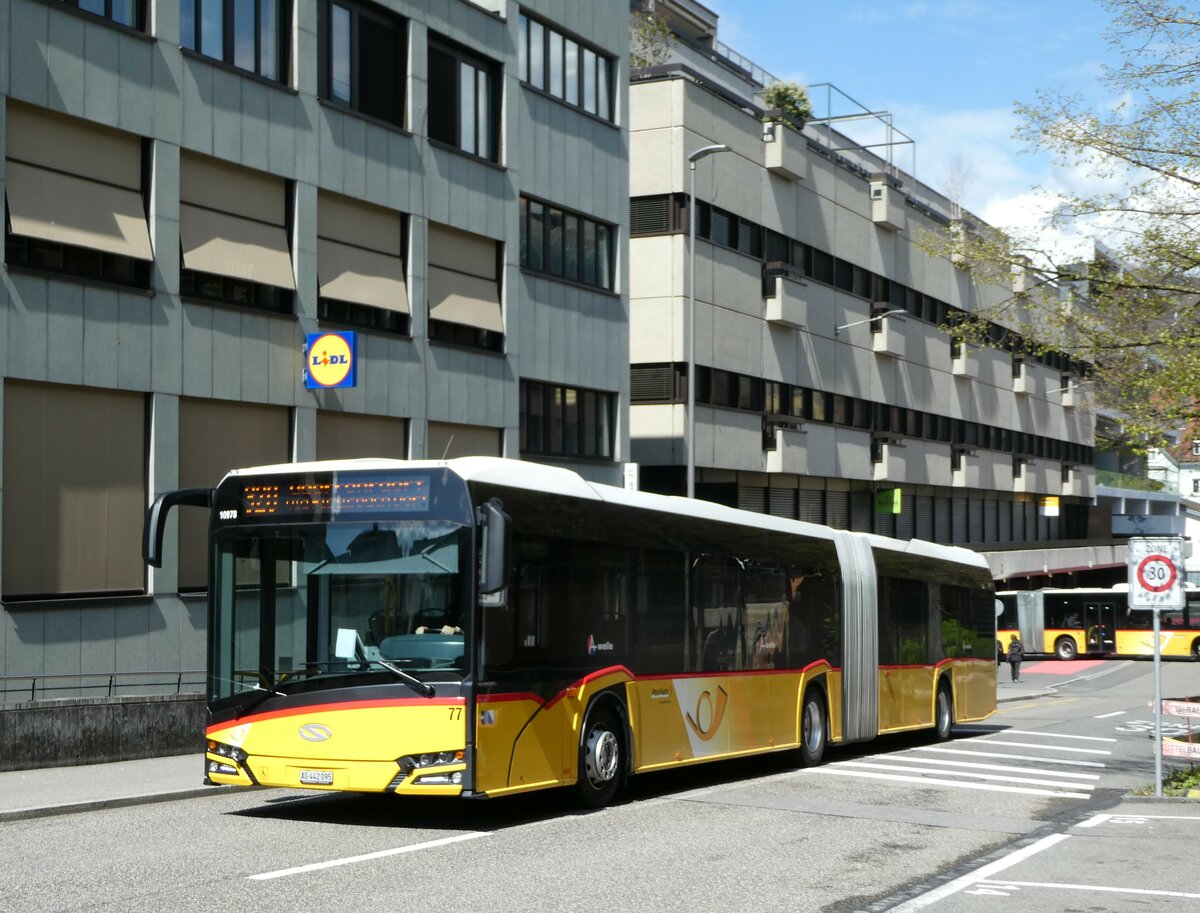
[[1016, 653]]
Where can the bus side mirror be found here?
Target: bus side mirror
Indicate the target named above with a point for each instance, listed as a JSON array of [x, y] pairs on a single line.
[[493, 568], [156, 518]]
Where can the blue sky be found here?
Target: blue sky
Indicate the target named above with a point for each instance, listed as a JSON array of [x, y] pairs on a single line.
[[949, 71]]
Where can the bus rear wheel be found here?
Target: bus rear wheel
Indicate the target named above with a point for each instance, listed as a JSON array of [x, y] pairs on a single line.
[[943, 713], [601, 759], [1064, 648], [813, 731], [1196, 649]]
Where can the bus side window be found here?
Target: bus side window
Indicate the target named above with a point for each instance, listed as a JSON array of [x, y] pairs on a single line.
[[658, 611], [716, 599], [814, 627], [764, 588]]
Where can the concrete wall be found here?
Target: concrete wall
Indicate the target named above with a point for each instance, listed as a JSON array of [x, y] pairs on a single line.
[[63, 733]]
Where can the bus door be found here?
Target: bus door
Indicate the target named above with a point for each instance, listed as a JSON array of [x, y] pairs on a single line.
[[1100, 626]]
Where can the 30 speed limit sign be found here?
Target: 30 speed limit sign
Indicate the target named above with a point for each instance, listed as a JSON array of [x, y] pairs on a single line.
[[1155, 581]]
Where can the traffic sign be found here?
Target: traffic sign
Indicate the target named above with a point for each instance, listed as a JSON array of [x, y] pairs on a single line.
[[1155, 581]]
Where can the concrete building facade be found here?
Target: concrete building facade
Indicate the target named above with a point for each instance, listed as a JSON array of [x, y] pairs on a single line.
[[192, 189], [827, 387]]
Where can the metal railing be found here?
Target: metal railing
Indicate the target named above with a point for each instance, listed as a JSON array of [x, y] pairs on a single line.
[[1112, 479], [33, 687]]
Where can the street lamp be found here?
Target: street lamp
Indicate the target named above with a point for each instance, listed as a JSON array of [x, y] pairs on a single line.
[[845, 326], [691, 316]]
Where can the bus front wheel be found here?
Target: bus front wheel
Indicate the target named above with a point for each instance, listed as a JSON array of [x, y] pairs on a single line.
[[1196, 649], [601, 757], [813, 731], [1064, 648]]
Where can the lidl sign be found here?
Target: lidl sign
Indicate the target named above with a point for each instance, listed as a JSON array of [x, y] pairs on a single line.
[[330, 360]]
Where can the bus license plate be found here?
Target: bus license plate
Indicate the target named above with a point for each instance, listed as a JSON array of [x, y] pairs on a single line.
[[317, 777]]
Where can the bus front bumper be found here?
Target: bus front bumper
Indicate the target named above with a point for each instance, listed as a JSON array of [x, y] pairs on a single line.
[[420, 775]]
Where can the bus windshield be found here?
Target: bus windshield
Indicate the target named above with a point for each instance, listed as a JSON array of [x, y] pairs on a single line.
[[288, 598]]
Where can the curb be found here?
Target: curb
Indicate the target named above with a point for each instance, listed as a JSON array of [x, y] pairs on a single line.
[[71, 808]]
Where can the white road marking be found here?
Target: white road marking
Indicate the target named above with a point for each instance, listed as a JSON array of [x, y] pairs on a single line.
[[997, 778], [366, 857], [1126, 819], [1012, 757], [1002, 767], [1048, 747], [1057, 735], [836, 770], [1144, 892], [1105, 716], [980, 874]]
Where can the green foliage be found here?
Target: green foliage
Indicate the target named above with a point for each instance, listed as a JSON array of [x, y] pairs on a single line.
[[1128, 302], [649, 39], [1175, 783], [791, 98]]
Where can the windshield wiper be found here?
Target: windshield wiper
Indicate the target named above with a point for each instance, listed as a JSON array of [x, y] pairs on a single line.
[[267, 690], [412, 681]]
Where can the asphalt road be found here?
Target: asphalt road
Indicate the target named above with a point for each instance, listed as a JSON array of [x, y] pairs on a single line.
[[1037, 795]]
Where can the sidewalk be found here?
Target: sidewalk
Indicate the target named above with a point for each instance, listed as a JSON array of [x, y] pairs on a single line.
[[1028, 688], [62, 790]]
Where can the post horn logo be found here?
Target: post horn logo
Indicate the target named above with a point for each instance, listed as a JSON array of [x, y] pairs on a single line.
[[707, 719], [315, 732]]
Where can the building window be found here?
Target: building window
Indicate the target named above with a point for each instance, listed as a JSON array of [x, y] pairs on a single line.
[[1196, 486], [447, 441], [565, 421], [362, 59], [658, 383], [123, 12], [464, 289], [74, 194], [215, 436], [1195, 448], [561, 243], [349, 435], [464, 100], [251, 35], [565, 68], [233, 235], [360, 265], [74, 490]]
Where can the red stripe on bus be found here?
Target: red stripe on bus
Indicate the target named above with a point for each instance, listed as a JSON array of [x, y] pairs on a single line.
[[337, 707], [591, 676], [742, 673]]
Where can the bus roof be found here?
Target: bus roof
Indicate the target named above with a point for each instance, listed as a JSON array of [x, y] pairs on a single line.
[[506, 473]]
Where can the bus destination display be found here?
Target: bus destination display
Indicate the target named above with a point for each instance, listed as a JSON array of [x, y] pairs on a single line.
[[336, 497]]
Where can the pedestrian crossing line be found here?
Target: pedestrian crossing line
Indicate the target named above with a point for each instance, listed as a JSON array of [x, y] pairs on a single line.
[[1046, 747], [1059, 735], [1001, 767], [1074, 762], [991, 778], [953, 784]]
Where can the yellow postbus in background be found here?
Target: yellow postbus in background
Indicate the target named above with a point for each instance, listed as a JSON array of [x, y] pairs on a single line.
[[1096, 621], [485, 627]]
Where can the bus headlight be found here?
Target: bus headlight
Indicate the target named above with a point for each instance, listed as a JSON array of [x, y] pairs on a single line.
[[226, 751], [454, 779], [408, 763]]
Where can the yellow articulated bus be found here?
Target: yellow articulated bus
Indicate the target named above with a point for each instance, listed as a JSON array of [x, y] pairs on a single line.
[[484, 627], [1096, 621]]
